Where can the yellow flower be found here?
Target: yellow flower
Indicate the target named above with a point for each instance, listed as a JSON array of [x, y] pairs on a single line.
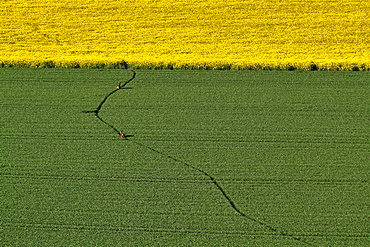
[[245, 34]]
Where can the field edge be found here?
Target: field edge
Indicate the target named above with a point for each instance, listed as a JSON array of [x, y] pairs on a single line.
[[122, 64]]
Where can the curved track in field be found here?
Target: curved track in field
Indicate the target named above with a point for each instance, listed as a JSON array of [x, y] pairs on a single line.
[[211, 178]]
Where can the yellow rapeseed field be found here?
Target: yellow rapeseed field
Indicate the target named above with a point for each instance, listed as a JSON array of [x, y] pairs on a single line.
[[244, 34]]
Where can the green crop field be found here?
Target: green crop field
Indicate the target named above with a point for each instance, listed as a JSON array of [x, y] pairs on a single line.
[[210, 158]]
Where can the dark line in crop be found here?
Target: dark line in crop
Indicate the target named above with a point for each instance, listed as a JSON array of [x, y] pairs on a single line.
[[212, 179], [91, 227], [184, 180], [111, 179], [97, 110], [232, 204]]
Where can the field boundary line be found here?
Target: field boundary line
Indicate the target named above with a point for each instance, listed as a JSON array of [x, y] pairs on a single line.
[[212, 179]]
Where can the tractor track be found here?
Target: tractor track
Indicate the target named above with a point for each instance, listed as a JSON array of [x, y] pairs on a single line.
[[210, 178]]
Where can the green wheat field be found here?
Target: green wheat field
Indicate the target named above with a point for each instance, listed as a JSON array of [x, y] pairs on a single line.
[[288, 149]]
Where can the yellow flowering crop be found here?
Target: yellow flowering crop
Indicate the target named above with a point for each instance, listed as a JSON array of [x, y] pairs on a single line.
[[256, 34]]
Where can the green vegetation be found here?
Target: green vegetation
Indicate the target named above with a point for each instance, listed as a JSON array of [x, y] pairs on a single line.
[[290, 149]]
